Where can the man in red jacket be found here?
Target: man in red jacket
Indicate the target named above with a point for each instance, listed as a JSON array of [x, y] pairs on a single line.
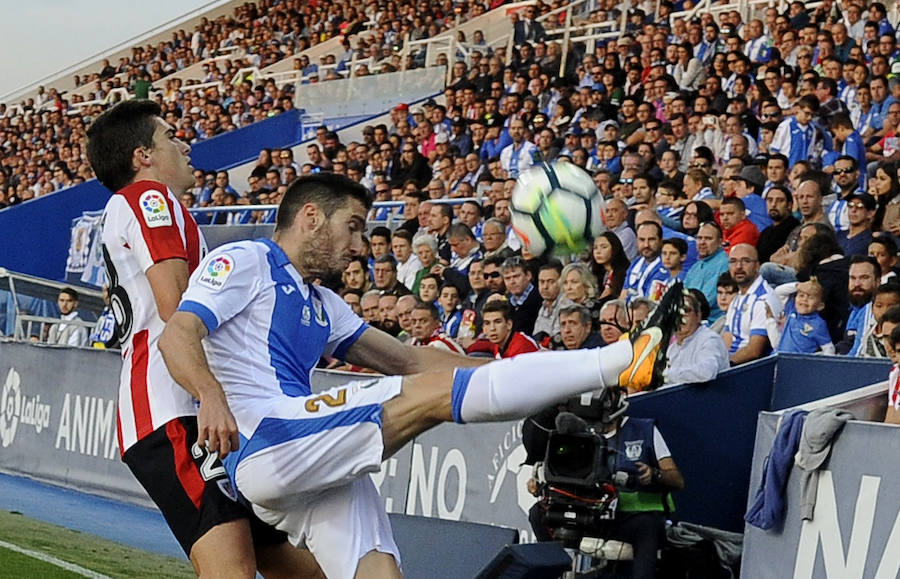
[[497, 326], [736, 228]]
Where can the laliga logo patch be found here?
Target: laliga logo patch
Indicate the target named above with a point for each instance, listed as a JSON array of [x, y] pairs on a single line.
[[216, 273], [155, 210]]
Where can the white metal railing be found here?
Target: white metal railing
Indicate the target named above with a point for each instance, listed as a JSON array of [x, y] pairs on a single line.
[[24, 328]]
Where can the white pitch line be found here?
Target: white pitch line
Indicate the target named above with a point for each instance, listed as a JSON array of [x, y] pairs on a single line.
[[54, 561]]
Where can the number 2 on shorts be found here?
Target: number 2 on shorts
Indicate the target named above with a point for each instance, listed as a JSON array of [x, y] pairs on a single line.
[[312, 405]]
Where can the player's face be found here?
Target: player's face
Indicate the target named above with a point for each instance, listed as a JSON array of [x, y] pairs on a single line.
[[496, 328], [170, 157], [329, 249]]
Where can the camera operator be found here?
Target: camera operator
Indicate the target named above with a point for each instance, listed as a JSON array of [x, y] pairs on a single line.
[[641, 467]]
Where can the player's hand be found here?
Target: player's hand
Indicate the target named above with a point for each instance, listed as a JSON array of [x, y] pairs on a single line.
[[217, 429], [533, 487], [645, 473]]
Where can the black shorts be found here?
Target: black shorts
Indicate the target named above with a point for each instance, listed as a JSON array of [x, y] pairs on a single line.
[[189, 485]]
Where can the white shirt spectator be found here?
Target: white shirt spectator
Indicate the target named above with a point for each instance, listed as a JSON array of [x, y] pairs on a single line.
[[699, 358], [63, 334]]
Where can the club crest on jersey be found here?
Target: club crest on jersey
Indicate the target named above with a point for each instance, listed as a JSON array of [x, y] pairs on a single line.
[[633, 449], [305, 316], [320, 311], [217, 272], [155, 210]]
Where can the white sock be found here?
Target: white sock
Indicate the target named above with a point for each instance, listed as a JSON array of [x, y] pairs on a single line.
[[521, 386]]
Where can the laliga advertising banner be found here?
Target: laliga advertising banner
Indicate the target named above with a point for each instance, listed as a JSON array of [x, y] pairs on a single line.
[[58, 419], [58, 424]]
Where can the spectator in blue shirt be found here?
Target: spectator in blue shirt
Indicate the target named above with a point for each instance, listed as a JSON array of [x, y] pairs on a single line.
[[805, 332]]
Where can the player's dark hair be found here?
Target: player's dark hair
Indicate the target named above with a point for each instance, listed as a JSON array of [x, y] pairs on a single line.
[[328, 191], [501, 306], [113, 137]]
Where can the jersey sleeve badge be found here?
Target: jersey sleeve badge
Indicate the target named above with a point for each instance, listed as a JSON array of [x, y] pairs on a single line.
[[217, 272], [155, 210]]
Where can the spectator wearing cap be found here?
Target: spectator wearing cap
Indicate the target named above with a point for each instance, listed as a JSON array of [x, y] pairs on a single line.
[[747, 185], [459, 136], [496, 138], [519, 155], [860, 213], [779, 205]]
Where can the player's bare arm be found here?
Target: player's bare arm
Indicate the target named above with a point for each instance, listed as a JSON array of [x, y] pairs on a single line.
[[377, 350], [168, 280], [182, 349]]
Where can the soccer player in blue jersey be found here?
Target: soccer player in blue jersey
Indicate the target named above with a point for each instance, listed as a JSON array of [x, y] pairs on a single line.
[[251, 327]]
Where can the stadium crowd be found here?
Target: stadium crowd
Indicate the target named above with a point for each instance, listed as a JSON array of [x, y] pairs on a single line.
[[755, 161], [42, 138]]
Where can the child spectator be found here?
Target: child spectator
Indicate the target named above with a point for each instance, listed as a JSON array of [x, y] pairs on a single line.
[[450, 312], [726, 290], [805, 332]]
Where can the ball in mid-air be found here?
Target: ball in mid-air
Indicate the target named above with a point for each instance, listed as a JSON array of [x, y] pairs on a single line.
[[556, 207]]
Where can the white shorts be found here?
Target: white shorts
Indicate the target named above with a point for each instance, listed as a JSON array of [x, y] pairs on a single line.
[[309, 480]]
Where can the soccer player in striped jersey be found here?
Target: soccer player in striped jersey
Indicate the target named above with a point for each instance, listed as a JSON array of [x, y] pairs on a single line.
[[151, 244]]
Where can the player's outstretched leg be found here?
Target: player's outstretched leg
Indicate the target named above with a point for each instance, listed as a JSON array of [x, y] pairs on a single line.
[[517, 387], [651, 342]]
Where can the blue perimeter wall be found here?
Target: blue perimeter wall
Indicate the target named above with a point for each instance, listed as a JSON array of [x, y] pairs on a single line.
[[37, 232], [711, 428]]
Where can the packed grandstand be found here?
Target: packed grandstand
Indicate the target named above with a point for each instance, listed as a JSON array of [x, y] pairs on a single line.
[[748, 149]]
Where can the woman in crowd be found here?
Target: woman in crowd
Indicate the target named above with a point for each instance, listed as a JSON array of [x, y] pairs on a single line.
[[609, 264], [885, 188], [695, 213], [579, 285], [425, 246]]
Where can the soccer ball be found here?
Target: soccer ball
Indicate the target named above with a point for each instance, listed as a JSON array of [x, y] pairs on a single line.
[[556, 207]]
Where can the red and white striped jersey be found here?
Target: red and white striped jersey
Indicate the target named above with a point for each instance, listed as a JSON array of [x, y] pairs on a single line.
[[144, 224]]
